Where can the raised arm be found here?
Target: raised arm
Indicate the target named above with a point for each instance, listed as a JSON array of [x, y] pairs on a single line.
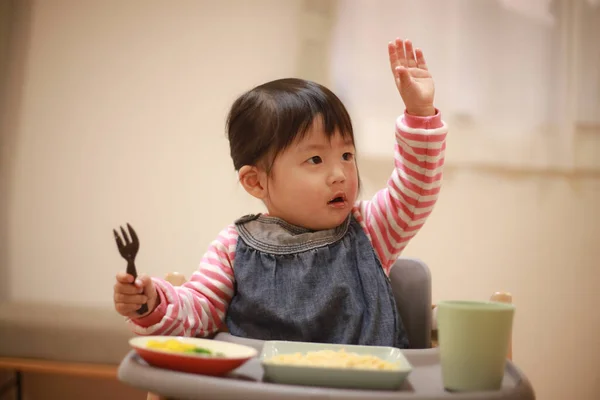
[[396, 213]]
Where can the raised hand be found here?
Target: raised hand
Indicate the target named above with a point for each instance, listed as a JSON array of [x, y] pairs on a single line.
[[413, 80]]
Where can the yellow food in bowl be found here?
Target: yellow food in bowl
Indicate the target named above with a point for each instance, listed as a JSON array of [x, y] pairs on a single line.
[[176, 346], [333, 359]]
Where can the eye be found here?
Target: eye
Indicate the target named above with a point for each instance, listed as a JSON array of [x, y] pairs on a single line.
[[314, 160], [348, 156]]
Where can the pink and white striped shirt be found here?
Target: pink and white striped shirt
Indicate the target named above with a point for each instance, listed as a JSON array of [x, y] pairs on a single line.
[[390, 220]]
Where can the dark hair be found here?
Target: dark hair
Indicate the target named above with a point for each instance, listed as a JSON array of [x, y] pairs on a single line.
[[268, 118]]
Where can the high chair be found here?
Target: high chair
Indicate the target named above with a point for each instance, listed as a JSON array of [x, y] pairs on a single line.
[[411, 283]]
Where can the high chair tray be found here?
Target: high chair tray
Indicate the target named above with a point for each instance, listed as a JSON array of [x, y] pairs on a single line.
[[246, 382]]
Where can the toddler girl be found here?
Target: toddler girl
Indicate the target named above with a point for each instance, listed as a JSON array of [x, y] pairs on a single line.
[[314, 268]]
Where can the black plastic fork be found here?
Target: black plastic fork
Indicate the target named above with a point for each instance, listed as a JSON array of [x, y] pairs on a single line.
[[128, 251]]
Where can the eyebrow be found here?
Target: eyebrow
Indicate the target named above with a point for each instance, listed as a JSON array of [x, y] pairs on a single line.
[[318, 146], [311, 147]]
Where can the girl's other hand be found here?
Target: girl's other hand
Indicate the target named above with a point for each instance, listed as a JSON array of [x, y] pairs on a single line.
[[413, 80]]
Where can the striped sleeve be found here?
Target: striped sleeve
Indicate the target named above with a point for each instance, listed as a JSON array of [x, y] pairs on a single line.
[[396, 213], [198, 307]]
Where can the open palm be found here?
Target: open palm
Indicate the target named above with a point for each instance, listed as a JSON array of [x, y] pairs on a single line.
[[413, 80]]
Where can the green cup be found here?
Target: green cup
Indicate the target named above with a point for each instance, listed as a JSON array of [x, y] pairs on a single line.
[[473, 339]]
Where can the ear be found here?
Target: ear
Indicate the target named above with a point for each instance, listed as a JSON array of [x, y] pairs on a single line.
[[253, 180]]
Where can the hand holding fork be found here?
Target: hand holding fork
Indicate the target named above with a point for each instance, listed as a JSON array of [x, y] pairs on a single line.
[[133, 296]]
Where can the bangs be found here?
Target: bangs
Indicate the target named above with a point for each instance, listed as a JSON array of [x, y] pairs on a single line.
[[295, 105], [269, 118], [295, 112]]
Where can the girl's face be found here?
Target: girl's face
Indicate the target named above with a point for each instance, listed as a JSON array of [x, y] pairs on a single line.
[[314, 182]]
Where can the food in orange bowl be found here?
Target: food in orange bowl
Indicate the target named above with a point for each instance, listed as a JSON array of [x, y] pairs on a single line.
[[192, 355]]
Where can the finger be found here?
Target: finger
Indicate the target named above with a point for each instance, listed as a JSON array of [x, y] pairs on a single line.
[[138, 299], [410, 55], [393, 55], [126, 288], [127, 310], [400, 52], [124, 277], [143, 281], [420, 59], [393, 60], [403, 75]]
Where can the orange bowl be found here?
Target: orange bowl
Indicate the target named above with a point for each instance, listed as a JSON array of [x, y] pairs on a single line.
[[231, 355]]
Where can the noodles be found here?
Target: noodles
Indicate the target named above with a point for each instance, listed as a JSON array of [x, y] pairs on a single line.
[[333, 359]]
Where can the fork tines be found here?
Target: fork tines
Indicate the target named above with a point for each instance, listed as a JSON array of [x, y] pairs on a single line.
[[131, 244]]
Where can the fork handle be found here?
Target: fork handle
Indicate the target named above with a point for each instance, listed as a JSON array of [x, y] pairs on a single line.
[[143, 309], [132, 271]]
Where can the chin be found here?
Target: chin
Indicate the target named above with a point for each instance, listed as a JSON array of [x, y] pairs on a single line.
[[331, 222]]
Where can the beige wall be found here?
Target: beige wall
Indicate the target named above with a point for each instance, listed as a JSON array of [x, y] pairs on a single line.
[[116, 113], [6, 16]]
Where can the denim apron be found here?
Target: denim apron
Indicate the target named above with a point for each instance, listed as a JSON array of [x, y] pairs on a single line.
[[300, 285]]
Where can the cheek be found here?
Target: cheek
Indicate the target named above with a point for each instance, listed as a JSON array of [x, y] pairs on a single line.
[[353, 183], [307, 186], [303, 189], [294, 186], [352, 174]]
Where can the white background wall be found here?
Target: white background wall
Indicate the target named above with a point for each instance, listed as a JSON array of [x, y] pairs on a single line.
[[115, 112]]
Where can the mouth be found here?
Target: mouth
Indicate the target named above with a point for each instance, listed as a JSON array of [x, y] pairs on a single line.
[[339, 199]]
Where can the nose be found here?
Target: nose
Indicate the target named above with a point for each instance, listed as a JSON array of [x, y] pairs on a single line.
[[337, 174]]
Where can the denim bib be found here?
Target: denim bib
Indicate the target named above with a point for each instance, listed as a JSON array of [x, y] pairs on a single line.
[[299, 285]]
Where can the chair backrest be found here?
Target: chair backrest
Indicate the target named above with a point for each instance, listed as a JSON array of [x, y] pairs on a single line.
[[411, 283]]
